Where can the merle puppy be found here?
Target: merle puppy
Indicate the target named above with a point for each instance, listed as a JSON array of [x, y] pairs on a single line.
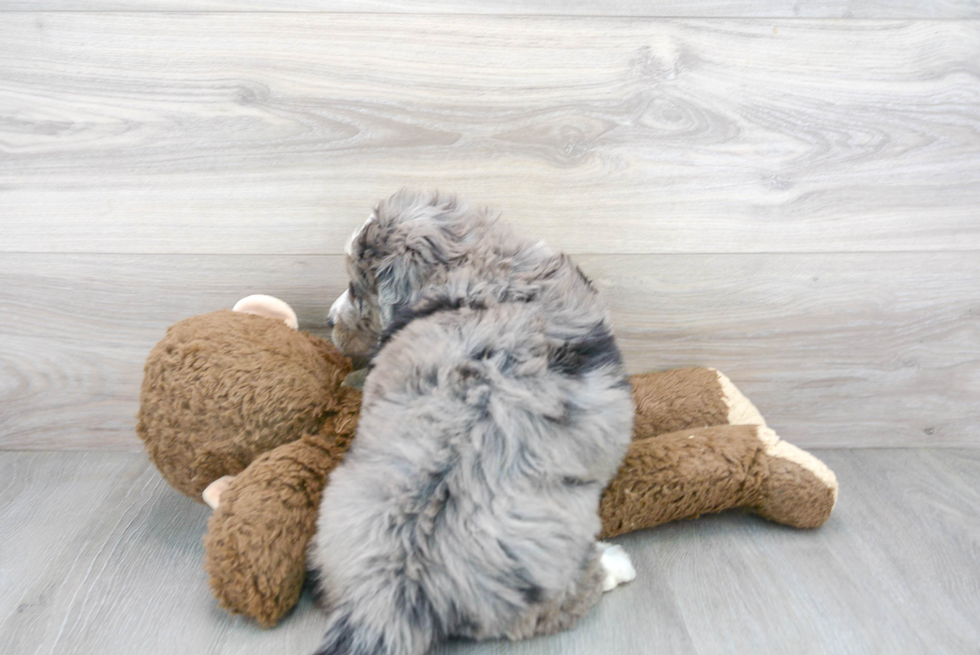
[[495, 412]]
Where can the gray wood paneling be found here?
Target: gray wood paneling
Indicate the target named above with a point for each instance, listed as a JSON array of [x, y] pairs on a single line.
[[99, 555], [76, 331], [197, 132], [876, 349], [836, 350], [701, 8]]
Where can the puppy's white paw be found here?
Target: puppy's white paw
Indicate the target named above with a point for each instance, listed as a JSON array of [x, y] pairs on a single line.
[[617, 566]]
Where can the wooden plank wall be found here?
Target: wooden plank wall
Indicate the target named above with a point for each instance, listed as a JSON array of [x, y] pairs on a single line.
[[789, 193]]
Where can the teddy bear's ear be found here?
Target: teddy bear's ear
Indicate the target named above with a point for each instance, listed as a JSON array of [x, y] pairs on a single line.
[[268, 306]]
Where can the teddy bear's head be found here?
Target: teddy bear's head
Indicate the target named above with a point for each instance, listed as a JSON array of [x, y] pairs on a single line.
[[222, 388]]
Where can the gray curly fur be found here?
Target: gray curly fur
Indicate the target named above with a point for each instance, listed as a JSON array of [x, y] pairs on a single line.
[[496, 411]]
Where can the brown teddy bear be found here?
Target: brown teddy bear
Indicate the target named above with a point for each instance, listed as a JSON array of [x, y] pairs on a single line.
[[241, 407]]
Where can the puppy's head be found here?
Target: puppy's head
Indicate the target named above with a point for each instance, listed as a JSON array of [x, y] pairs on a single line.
[[408, 240]]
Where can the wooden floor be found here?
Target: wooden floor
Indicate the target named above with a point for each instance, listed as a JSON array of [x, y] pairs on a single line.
[[99, 555]]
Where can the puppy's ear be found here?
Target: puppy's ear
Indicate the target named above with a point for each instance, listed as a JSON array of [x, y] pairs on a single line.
[[365, 252], [397, 279], [418, 233], [362, 244]]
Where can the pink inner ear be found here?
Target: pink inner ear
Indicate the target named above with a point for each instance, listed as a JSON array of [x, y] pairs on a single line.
[[268, 306]]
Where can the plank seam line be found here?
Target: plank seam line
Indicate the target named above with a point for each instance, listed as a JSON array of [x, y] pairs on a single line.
[[226, 12], [727, 253]]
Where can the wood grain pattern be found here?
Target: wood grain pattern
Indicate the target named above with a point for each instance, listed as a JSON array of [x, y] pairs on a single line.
[[77, 330], [836, 350], [845, 349], [275, 133], [98, 555], [702, 8]]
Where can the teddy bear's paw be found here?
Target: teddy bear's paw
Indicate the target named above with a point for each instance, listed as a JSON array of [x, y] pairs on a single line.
[[616, 564], [800, 490], [212, 493], [776, 447], [741, 411]]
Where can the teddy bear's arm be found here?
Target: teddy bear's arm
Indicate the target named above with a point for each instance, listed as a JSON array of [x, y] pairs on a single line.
[[255, 548]]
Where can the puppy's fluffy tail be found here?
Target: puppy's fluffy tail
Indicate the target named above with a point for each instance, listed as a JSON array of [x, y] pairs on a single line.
[[395, 629]]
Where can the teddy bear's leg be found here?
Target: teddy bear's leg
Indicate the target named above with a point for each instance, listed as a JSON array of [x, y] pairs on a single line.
[[697, 471], [255, 548], [688, 398]]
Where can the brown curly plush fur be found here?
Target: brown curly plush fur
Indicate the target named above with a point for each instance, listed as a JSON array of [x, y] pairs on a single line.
[[698, 471], [233, 394], [222, 388], [260, 572], [686, 460], [677, 399]]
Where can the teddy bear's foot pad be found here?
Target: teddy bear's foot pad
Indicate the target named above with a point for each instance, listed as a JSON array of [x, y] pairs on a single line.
[[212, 493], [800, 490]]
